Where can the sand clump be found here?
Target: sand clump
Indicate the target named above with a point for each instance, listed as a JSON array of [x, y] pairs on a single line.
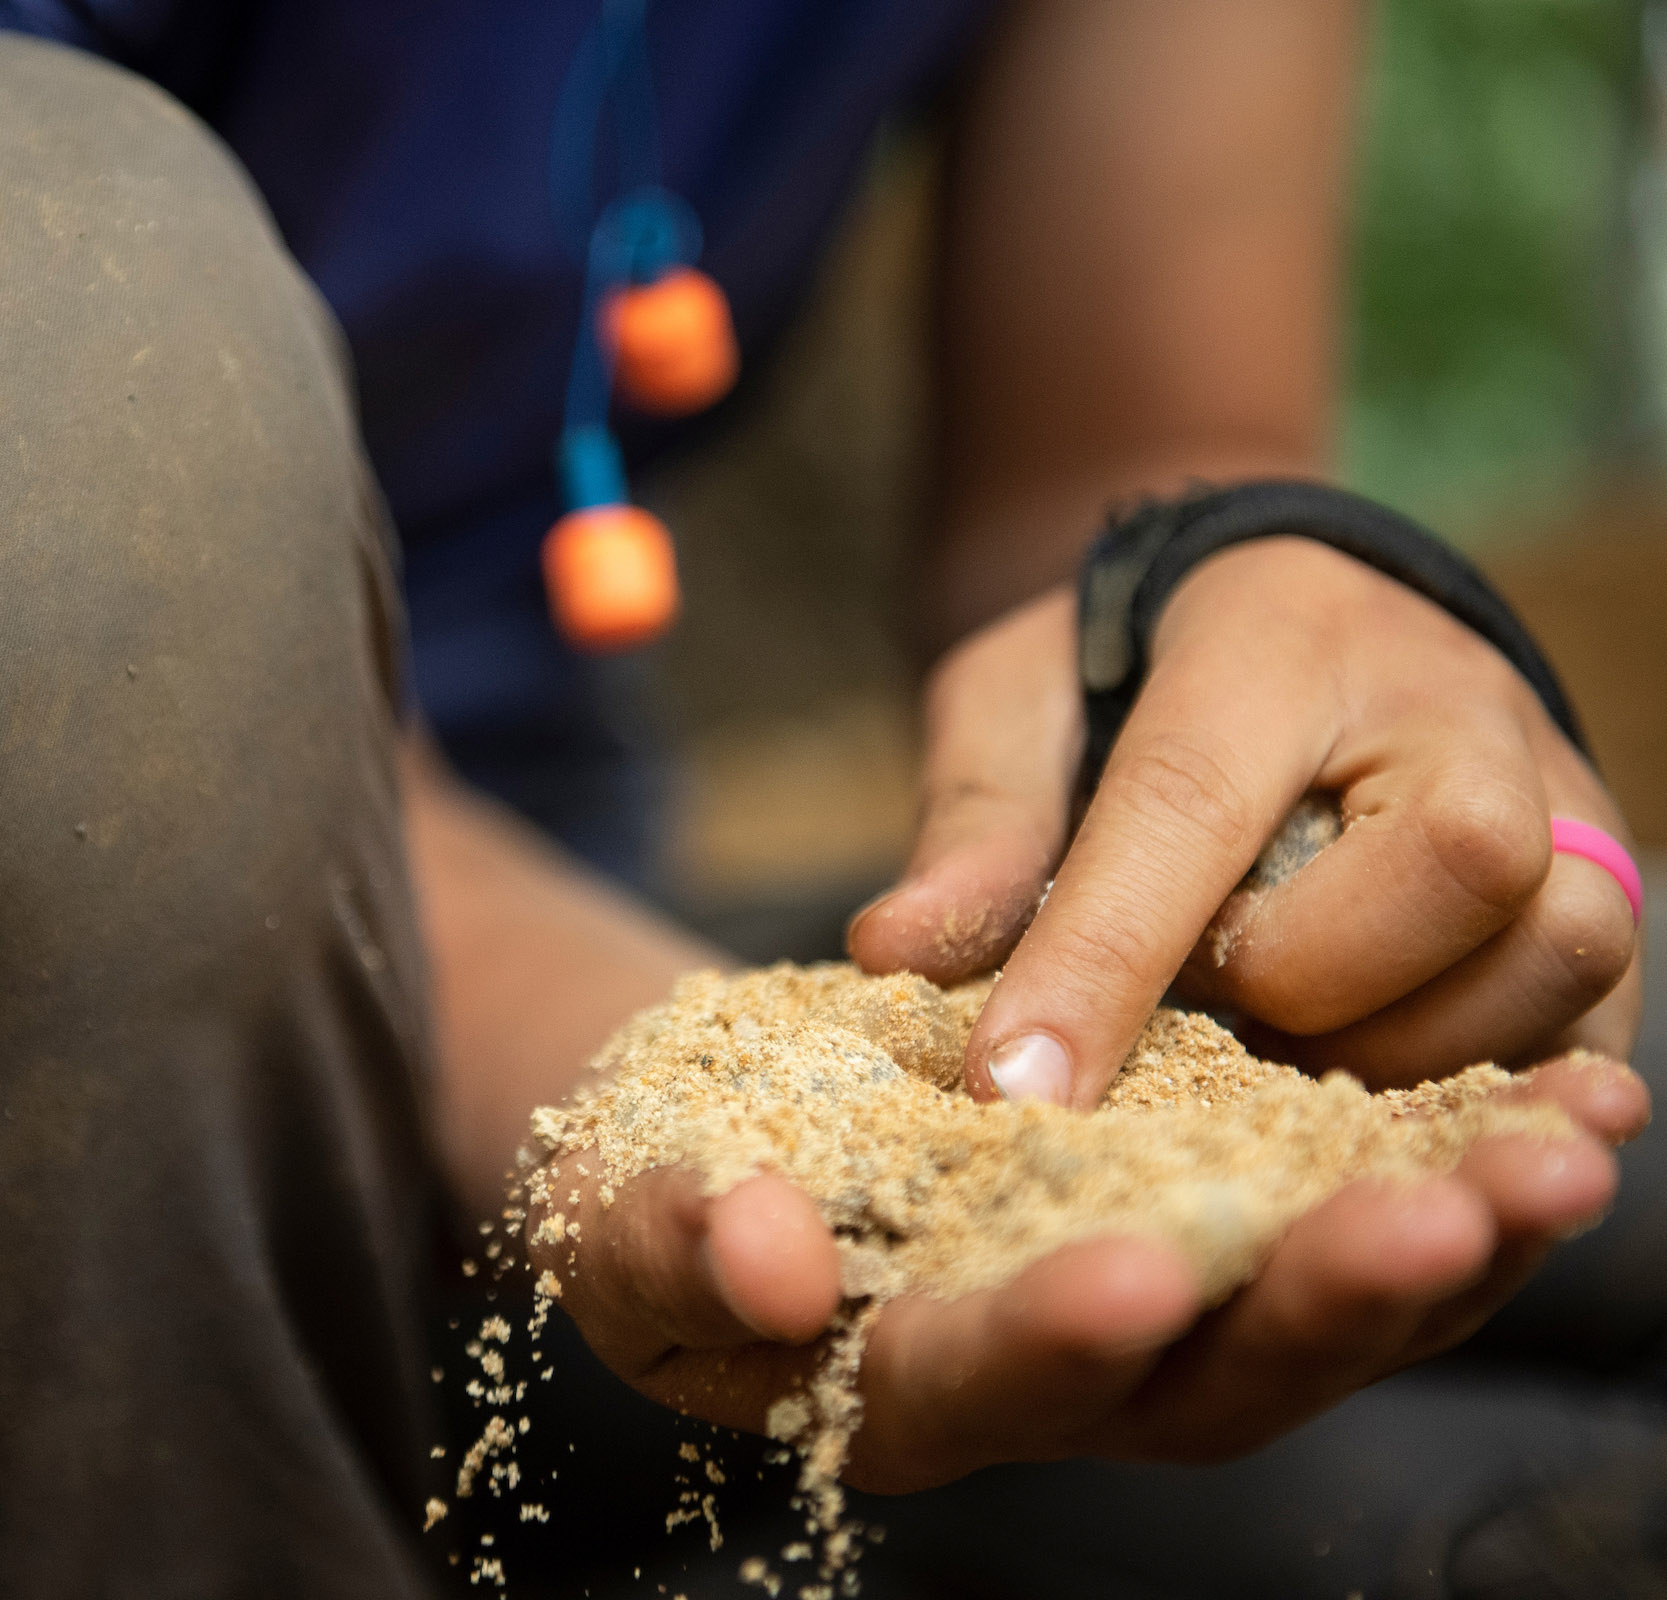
[[850, 1086]]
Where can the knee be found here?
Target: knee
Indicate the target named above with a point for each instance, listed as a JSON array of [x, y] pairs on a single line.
[[163, 350], [196, 658]]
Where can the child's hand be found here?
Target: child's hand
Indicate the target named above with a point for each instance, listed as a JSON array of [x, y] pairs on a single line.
[[1439, 930], [707, 1305]]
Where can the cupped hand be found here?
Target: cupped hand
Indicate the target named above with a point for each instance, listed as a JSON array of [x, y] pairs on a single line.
[[710, 1305], [1438, 929]]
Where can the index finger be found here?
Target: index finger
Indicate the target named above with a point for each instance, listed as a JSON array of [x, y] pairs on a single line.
[[1198, 780]]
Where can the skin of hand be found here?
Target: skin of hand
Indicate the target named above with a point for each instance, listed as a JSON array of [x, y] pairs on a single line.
[[1438, 930], [1443, 756], [708, 1305]]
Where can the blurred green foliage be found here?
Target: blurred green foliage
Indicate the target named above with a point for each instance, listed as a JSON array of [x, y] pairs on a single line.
[[1495, 362]]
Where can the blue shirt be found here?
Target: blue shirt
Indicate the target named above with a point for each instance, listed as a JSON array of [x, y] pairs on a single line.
[[404, 148]]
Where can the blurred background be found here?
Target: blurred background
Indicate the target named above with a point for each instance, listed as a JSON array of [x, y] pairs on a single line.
[[1507, 383]]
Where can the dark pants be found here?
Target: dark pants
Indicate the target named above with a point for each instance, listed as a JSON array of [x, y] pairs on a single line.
[[217, 1202], [215, 1197]]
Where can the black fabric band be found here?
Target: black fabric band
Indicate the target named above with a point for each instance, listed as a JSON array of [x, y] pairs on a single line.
[[1135, 565]]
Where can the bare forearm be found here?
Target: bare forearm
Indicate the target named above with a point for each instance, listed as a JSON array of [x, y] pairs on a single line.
[[1141, 270], [535, 960]]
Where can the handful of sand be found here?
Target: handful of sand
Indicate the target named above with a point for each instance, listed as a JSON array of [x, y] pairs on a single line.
[[850, 1086]]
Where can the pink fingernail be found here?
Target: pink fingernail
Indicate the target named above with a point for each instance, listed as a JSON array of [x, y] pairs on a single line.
[[1032, 1068]]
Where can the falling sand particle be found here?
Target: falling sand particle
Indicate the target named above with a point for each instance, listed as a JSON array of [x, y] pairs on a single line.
[[850, 1087]]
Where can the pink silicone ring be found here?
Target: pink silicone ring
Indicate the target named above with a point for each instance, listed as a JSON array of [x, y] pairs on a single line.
[[1571, 838]]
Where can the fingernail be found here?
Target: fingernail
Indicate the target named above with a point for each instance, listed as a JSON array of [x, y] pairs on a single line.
[[870, 908], [1032, 1068]]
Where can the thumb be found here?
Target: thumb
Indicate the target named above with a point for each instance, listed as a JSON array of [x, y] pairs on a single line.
[[1003, 741], [664, 1267]]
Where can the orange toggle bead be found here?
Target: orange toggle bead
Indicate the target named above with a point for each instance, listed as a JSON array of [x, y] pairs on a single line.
[[673, 343], [611, 575]]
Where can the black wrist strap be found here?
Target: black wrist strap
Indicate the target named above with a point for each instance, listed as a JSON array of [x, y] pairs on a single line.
[[1135, 565]]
